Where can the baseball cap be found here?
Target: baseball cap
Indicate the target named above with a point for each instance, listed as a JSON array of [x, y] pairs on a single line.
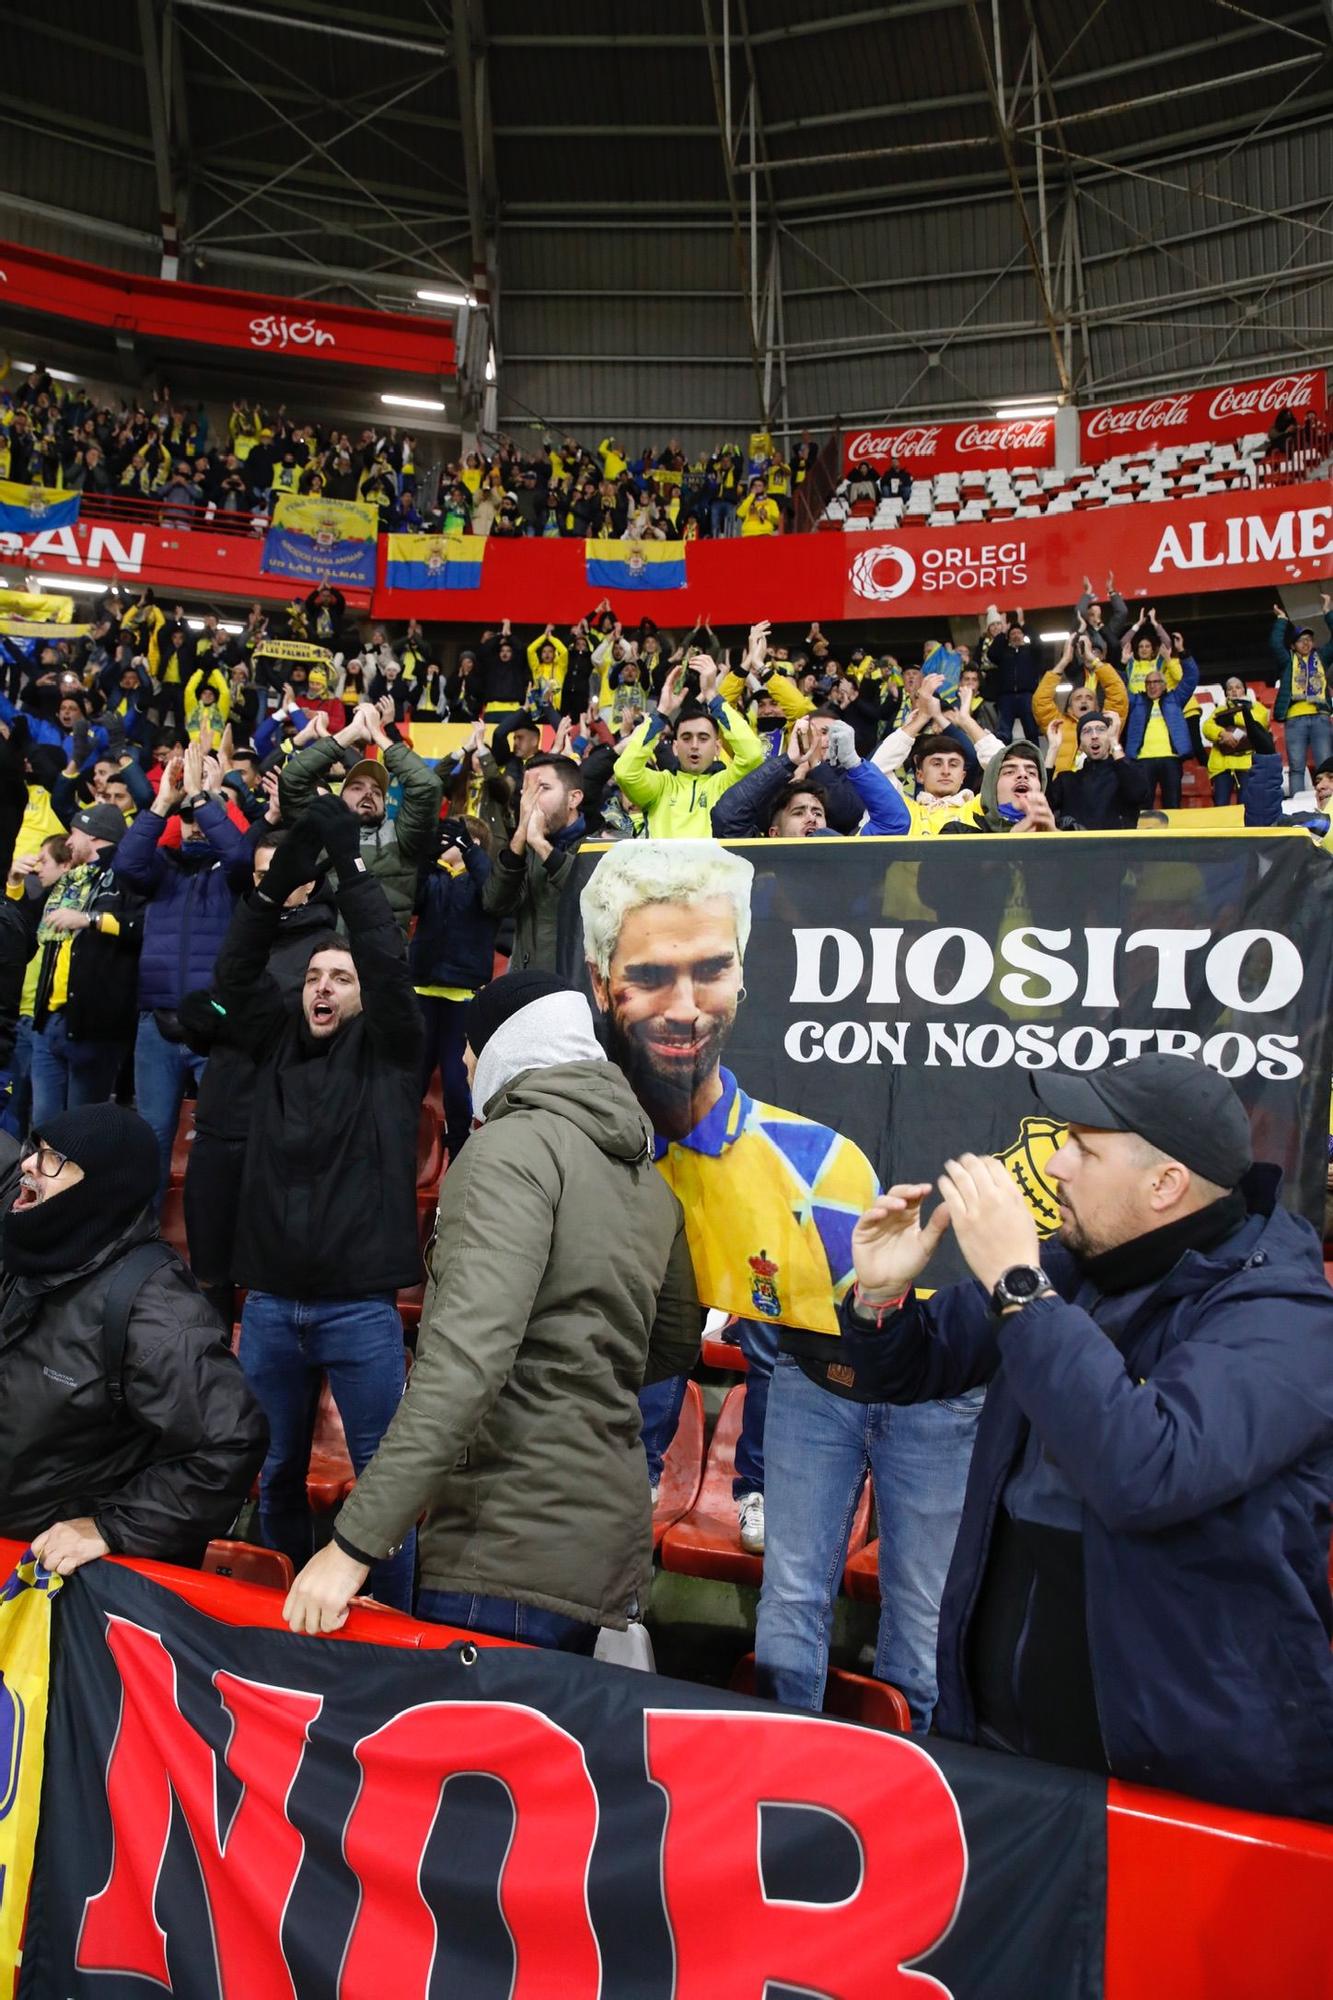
[[101, 823], [370, 767], [1180, 1106]]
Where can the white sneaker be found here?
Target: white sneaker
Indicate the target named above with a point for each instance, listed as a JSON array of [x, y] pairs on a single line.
[[751, 1510]]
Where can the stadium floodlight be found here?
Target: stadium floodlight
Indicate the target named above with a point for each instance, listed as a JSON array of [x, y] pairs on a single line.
[[412, 402]]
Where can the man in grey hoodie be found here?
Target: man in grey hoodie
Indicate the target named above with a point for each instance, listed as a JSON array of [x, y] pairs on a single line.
[[560, 1278], [1013, 797]]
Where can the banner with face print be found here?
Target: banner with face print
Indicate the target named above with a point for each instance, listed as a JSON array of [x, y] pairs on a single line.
[[807, 1020]]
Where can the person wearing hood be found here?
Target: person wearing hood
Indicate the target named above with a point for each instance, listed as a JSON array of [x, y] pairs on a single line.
[[327, 1231], [189, 885], [126, 1426], [519, 1435], [1140, 1581], [1105, 791], [1013, 797]]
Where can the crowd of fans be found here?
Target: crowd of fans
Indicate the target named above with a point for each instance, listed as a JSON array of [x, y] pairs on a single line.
[[163, 450], [192, 907]]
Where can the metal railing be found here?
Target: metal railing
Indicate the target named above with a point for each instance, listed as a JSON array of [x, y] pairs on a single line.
[[1299, 456]]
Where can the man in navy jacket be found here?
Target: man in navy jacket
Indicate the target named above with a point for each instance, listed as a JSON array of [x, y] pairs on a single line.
[[1140, 1583], [191, 887]]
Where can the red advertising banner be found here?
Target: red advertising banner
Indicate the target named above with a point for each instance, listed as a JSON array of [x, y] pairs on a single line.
[[205, 314], [924, 449], [1199, 416], [1224, 541]]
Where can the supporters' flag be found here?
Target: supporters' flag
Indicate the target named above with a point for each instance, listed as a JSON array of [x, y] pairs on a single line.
[[635, 565], [29, 508], [28, 614], [25, 1654], [435, 562], [322, 541], [949, 662], [584, 1857]]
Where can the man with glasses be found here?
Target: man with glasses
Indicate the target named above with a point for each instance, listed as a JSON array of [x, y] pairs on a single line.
[[126, 1426]]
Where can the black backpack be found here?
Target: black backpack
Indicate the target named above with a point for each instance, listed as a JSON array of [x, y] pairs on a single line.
[[135, 1270]]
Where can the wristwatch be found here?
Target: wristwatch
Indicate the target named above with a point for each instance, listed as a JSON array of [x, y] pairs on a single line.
[[1019, 1286], [199, 799]]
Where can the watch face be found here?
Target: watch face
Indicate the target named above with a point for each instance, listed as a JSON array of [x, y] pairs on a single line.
[[1023, 1282]]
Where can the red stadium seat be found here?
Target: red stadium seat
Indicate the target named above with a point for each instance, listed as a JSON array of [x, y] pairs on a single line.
[[430, 1148], [180, 1145], [171, 1222], [329, 1478], [860, 1579], [249, 1564], [853, 1697], [728, 1355], [706, 1541], [683, 1466]]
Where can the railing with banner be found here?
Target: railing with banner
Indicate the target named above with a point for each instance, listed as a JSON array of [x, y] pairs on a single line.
[[603, 1843], [1273, 537]]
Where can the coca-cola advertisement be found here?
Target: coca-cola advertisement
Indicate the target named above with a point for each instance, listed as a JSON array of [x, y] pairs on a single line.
[[923, 449], [1218, 415]]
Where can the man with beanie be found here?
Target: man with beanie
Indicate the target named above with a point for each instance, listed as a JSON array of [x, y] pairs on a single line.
[[327, 1229], [126, 1426], [84, 1010], [519, 1434], [393, 850], [1105, 791], [1140, 1582]]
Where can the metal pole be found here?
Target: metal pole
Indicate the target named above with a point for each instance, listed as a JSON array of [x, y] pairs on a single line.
[[754, 227]]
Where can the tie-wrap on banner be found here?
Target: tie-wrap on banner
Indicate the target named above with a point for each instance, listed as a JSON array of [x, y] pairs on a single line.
[[240, 1815], [803, 1019]]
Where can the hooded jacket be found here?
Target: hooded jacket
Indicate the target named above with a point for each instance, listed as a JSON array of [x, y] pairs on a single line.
[[328, 1200], [985, 815], [160, 1474], [1198, 1443], [560, 1282], [1104, 795]]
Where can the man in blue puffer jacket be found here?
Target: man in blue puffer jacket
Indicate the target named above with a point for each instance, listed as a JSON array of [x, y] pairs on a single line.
[[451, 957], [191, 889], [1157, 734], [1140, 1582]]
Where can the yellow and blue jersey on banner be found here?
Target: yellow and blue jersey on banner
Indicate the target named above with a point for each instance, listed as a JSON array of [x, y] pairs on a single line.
[[435, 562], [322, 541], [25, 1665], [635, 565], [29, 508], [771, 1200]]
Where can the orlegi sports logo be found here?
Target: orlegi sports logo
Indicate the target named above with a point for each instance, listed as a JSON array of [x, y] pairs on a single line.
[[898, 565]]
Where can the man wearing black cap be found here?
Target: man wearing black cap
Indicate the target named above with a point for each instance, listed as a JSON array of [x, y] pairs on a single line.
[[519, 1434], [85, 1009], [1106, 790], [1140, 1582], [126, 1426]]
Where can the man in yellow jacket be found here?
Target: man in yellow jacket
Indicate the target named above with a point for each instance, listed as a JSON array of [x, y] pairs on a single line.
[[1102, 687], [679, 803]]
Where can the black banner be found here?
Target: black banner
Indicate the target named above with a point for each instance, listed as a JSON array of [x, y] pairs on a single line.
[[241, 1815], [901, 994]]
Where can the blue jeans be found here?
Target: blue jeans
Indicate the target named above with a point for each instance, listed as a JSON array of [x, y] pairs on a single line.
[[759, 1345], [660, 1405], [1017, 708], [722, 519], [286, 1346], [819, 1448], [506, 1618], [67, 1075], [160, 1070], [1225, 783], [1309, 739], [445, 1023]]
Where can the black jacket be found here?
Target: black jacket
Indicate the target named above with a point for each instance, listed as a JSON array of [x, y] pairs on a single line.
[[504, 683], [160, 1474], [454, 943], [328, 1207], [101, 1002], [1106, 796], [1011, 669]]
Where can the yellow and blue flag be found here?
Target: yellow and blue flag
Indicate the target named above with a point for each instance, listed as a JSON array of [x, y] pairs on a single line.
[[27, 507], [435, 562], [635, 565], [25, 1664], [322, 541]]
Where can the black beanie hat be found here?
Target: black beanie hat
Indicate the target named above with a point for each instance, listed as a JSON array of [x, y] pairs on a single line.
[[118, 1153], [503, 998]]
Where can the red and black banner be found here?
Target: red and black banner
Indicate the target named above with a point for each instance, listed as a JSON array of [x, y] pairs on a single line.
[[234, 1814]]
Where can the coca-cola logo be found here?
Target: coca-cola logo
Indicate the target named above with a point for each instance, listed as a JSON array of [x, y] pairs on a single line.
[[1032, 435], [1284, 392], [275, 329], [1117, 419], [917, 441]]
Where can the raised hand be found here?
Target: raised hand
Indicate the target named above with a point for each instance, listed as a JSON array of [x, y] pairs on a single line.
[[707, 671], [194, 769], [891, 1246], [673, 692]]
